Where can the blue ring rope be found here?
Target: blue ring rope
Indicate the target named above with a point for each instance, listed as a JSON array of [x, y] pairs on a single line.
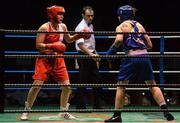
[[31, 71], [36, 52], [25, 89]]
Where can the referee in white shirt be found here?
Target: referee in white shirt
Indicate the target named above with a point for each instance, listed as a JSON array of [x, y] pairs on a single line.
[[88, 68]]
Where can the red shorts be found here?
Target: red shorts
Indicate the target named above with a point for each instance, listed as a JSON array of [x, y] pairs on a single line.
[[54, 67]]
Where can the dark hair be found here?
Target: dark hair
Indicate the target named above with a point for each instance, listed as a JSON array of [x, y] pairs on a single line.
[[85, 8]]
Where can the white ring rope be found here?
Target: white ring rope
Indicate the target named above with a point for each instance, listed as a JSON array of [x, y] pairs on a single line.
[[155, 37], [156, 53], [114, 71]]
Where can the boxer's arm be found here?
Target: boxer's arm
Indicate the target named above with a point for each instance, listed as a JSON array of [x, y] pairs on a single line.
[[118, 41], [71, 38], [40, 38]]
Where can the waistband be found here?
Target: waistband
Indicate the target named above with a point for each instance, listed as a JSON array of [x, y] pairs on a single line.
[[137, 51], [49, 52]]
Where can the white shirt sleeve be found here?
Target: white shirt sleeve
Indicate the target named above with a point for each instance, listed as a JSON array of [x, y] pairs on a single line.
[[81, 40]]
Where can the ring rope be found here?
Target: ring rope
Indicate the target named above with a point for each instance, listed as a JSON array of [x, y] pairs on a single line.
[[94, 32], [76, 71], [87, 56], [101, 53], [94, 110], [129, 89], [93, 85], [34, 36]]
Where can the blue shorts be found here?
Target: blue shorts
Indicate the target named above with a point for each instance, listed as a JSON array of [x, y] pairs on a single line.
[[139, 69]]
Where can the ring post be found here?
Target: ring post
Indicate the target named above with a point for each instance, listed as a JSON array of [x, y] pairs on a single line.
[[2, 72], [161, 62]]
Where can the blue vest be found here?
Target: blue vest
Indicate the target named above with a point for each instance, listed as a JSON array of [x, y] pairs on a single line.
[[133, 41]]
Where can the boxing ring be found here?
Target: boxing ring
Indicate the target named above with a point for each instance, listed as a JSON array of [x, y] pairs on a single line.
[[130, 113]]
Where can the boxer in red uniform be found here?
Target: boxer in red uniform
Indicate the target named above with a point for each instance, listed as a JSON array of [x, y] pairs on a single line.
[[52, 43]]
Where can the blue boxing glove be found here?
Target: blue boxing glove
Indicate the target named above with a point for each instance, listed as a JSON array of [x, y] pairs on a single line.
[[112, 50]]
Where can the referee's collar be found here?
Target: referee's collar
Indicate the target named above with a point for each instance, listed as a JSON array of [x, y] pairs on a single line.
[[88, 24]]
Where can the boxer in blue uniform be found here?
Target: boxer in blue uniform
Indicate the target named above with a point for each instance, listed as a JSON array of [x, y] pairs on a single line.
[[138, 67]]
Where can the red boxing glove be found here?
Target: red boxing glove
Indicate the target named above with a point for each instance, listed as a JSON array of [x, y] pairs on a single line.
[[86, 35], [82, 35], [57, 47]]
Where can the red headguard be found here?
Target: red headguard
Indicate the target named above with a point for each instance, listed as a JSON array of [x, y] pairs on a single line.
[[52, 11]]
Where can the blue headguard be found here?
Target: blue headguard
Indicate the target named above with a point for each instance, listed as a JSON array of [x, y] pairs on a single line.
[[125, 13]]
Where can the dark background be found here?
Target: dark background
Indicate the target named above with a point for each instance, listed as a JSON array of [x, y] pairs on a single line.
[[154, 15]]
